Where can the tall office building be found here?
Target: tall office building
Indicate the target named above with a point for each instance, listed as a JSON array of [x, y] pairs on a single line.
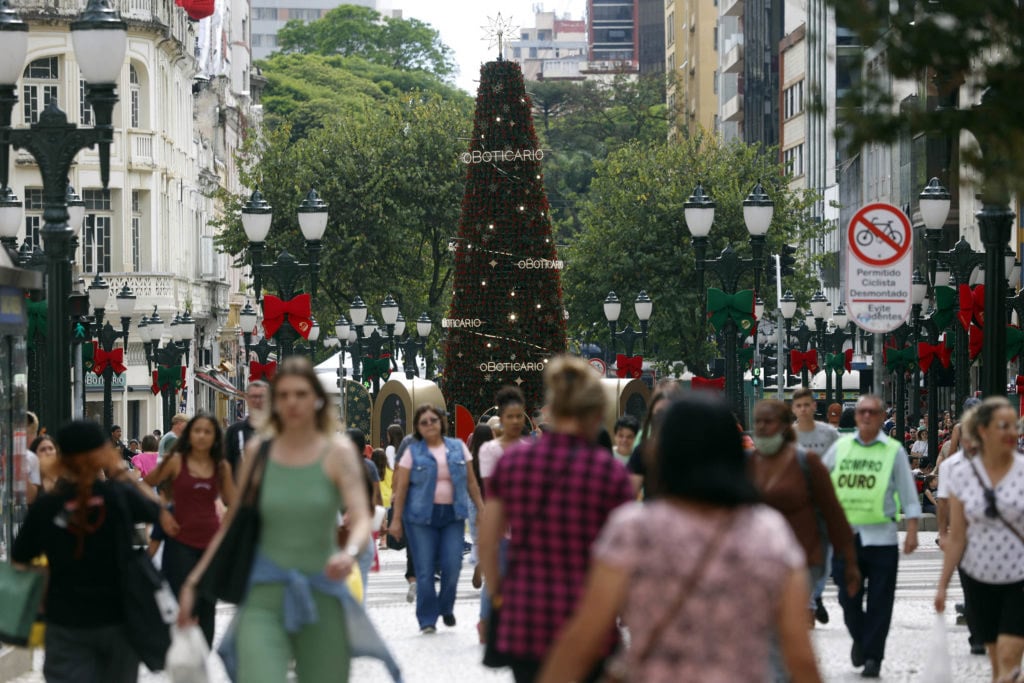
[[651, 23], [691, 61], [613, 35], [750, 81]]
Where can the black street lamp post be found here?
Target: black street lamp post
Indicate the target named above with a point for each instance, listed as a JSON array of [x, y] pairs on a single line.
[[286, 272], [166, 360], [247, 319], [414, 345], [821, 309], [699, 214], [835, 340], [99, 36], [643, 307]]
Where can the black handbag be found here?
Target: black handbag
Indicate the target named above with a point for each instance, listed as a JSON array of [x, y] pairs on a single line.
[[227, 576], [394, 543], [146, 598]]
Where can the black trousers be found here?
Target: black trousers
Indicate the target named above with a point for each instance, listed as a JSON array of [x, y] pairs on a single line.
[[869, 625], [99, 654], [178, 562]]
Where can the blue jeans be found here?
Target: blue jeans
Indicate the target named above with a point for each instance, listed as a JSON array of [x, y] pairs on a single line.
[[869, 626], [438, 544], [365, 562]]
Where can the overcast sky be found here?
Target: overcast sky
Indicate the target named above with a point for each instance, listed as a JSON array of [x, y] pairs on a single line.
[[460, 23]]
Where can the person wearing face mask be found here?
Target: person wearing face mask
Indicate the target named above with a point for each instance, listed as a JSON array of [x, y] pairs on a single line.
[[797, 484]]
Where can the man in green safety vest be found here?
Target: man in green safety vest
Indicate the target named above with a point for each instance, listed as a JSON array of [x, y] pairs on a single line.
[[873, 481]]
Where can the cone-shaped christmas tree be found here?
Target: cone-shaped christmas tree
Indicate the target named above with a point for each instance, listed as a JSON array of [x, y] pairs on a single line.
[[507, 316]]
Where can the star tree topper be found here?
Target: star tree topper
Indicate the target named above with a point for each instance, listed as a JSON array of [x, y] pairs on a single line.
[[496, 32]]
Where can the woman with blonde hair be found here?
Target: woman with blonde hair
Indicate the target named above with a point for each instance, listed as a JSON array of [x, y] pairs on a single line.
[[297, 607], [553, 495]]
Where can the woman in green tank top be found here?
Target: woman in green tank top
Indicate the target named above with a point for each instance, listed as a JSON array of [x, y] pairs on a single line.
[[310, 475]]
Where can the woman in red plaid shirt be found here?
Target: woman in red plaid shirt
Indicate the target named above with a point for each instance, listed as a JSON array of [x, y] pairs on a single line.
[[554, 496]]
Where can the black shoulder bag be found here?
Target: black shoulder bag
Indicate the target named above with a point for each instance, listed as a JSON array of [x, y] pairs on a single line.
[[227, 575], [146, 599]]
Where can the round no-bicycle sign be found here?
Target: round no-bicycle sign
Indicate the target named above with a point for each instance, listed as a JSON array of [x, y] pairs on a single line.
[[879, 234]]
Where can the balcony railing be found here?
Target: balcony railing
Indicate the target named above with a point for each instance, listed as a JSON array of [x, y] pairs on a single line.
[[170, 293], [163, 13]]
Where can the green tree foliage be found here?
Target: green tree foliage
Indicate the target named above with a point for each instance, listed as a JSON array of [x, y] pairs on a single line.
[[304, 90], [393, 182], [635, 236], [583, 122], [950, 48], [353, 31]]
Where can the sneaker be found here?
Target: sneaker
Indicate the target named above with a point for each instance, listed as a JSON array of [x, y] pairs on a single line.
[[427, 630], [820, 613], [449, 619], [857, 655], [872, 669], [410, 595], [977, 649]]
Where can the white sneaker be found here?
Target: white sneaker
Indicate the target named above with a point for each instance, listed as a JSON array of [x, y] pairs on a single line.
[[410, 595]]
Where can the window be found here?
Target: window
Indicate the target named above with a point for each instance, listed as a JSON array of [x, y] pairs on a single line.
[[96, 242], [793, 100], [264, 13], [517, 53], [794, 160], [670, 29], [84, 110], [34, 216], [135, 94], [715, 40], [136, 230], [264, 40], [39, 87], [714, 80]]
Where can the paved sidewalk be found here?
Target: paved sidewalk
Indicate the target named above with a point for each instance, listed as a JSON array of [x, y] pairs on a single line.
[[453, 654]]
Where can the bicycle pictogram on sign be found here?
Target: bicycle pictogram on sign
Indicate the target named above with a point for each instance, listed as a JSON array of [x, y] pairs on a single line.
[[879, 234]]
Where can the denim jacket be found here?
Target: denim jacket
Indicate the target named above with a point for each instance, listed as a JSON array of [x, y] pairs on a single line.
[[419, 503], [300, 610]]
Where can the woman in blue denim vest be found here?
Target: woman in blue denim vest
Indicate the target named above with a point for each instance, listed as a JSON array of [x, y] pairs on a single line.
[[434, 484]]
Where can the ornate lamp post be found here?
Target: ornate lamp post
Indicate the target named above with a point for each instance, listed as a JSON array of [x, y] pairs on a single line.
[[643, 306], [168, 372], [731, 309], [836, 359], [108, 361], [821, 309], [293, 306], [100, 40], [247, 319]]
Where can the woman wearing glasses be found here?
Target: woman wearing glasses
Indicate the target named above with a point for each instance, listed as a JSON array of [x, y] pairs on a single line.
[[986, 535], [434, 484]]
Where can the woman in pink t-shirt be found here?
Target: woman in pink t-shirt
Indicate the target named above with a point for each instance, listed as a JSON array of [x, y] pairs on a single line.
[[703, 575]]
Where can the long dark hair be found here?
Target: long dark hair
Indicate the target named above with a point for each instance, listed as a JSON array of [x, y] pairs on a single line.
[[481, 435], [699, 453], [183, 445]]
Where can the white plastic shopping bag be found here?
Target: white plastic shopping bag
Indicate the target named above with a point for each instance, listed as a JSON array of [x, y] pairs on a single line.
[[937, 667], [188, 656]]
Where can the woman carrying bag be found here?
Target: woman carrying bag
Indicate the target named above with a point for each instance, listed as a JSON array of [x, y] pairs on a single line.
[[297, 606], [82, 528]]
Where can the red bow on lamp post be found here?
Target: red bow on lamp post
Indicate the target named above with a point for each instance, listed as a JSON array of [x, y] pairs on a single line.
[[975, 341], [297, 309], [101, 359], [1020, 394], [972, 305], [258, 370], [716, 384], [926, 353], [196, 9], [628, 367], [800, 359]]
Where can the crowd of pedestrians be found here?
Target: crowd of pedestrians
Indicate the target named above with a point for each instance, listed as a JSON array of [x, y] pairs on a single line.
[[685, 548]]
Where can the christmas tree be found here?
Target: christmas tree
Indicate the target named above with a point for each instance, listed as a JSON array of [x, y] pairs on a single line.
[[506, 317]]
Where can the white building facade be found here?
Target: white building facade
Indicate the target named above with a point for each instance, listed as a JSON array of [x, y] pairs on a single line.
[[184, 106]]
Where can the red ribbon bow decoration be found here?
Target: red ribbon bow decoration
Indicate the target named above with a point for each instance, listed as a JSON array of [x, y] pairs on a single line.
[[975, 339], [926, 353], [196, 9], [101, 359], [972, 305], [628, 367], [297, 309], [800, 359], [716, 384], [258, 370], [1020, 394]]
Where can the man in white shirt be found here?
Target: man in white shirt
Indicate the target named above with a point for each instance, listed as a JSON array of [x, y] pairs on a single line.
[[35, 481], [869, 470]]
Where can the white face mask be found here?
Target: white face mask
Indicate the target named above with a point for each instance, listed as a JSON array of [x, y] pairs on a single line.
[[769, 445]]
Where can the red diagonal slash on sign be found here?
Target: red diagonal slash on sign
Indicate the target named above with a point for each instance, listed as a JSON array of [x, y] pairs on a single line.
[[879, 234]]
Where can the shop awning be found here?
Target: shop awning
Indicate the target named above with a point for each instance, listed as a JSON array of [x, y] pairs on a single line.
[[217, 384]]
